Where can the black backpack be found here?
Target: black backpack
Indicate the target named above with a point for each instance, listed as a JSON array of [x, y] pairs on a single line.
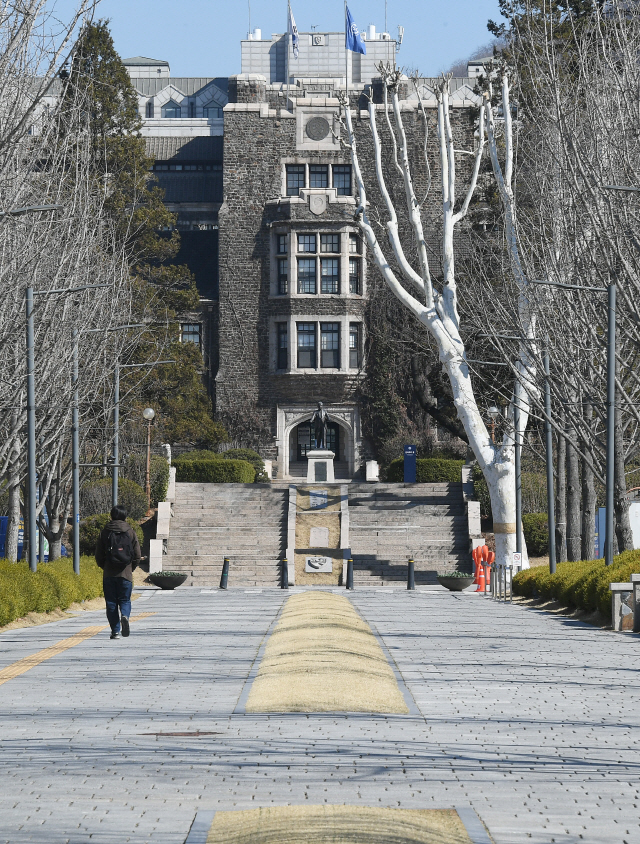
[[119, 549]]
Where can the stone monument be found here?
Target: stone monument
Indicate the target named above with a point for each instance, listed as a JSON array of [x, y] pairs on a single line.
[[320, 459]]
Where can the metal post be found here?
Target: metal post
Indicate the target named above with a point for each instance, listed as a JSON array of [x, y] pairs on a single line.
[[75, 459], [611, 413], [224, 577], [411, 580], [40, 533], [285, 573], [551, 507], [147, 478], [350, 573], [518, 450], [116, 434], [31, 435], [511, 584]]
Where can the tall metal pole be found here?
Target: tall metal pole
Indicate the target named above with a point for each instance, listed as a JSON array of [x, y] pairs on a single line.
[[551, 508], [116, 435], [147, 477], [518, 448], [75, 459], [611, 414], [31, 434], [40, 533], [346, 55]]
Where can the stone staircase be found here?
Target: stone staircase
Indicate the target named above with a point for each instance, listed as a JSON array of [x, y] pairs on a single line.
[[245, 522], [389, 523]]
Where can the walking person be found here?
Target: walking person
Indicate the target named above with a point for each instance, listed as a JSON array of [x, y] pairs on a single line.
[[118, 555]]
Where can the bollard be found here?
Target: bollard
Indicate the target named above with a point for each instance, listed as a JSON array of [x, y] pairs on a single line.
[[224, 577], [349, 573], [411, 578], [285, 573]]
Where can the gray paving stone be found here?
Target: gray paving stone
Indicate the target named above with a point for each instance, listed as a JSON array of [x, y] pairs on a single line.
[[530, 719]]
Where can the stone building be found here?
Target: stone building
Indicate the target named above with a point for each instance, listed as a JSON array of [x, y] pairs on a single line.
[[265, 199]]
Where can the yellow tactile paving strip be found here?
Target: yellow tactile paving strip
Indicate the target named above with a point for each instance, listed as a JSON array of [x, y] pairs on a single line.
[[337, 825], [28, 662]]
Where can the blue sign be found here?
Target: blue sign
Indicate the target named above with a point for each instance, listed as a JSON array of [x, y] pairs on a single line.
[[410, 466]]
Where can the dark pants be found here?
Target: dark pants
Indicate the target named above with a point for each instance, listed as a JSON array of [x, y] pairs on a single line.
[[117, 594]]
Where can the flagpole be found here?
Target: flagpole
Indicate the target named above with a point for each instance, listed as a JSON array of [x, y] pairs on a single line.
[[346, 55], [288, 48]]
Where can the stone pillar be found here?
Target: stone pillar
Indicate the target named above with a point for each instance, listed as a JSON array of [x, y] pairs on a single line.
[[320, 466], [247, 88]]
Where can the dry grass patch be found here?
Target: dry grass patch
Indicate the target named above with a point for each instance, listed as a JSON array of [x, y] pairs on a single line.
[[337, 825], [322, 657]]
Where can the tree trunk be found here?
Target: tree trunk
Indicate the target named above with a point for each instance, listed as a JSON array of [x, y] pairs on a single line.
[[561, 496], [54, 537], [13, 522], [574, 548], [588, 497], [623, 531], [502, 491]]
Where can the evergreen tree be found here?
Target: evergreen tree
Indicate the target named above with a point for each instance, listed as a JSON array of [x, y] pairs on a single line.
[[146, 228]]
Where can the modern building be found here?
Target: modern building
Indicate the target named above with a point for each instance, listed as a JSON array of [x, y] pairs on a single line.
[[264, 193]]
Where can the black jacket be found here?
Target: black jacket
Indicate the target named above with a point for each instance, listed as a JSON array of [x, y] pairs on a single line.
[[127, 571]]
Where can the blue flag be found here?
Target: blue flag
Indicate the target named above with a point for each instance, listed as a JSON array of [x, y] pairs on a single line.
[[293, 32], [353, 39]]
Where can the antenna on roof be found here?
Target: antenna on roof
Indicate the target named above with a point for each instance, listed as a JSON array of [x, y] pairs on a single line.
[[385, 16], [249, 4]]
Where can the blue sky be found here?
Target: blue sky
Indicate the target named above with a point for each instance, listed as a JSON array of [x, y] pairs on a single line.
[[202, 38]]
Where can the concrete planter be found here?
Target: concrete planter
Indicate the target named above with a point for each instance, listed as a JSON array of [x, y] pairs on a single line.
[[167, 581], [455, 584]]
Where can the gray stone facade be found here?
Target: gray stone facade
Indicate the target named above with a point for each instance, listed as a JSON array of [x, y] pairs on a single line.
[[286, 321]]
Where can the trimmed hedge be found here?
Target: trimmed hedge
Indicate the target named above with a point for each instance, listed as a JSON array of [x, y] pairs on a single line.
[[535, 527], [214, 471], [583, 584], [53, 586], [429, 470], [91, 527], [246, 454]]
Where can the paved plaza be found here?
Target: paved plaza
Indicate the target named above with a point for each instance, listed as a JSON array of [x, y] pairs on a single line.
[[530, 719]]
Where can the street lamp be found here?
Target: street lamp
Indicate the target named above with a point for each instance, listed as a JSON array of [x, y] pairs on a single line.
[[494, 413], [148, 414]]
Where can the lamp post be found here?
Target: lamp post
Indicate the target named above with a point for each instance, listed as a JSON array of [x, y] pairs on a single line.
[[493, 412], [148, 414]]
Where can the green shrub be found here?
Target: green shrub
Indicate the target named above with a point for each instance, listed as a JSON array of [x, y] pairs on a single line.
[[95, 497], [214, 471], [583, 584], [246, 454], [91, 527], [481, 492], [53, 586], [535, 527], [429, 470], [197, 455], [136, 470]]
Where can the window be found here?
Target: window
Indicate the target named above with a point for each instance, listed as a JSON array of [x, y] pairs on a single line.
[[171, 110], [354, 244], [190, 333], [306, 275], [355, 346], [283, 276], [281, 244], [342, 179], [329, 242], [149, 109], [318, 175], [283, 345], [354, 276], [330, 275], [295, 178], [306, 345], [212, 110], [330, 345], [187, 166], [306, 243]]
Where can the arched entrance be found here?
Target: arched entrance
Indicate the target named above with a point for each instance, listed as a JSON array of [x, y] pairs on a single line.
[[294, 439]]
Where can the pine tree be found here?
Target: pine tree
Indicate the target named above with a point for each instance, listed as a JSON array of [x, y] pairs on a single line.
[[161, 290]]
